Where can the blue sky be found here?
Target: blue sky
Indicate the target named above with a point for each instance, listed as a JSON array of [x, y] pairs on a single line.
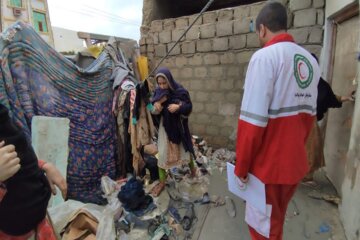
[[120, 18]]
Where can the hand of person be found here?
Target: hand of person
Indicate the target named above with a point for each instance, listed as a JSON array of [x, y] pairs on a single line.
[[350, 98], [173, 108], [9, 161], [347, 99], [242, 182], [158, 107], [163, 99], [55, 179]]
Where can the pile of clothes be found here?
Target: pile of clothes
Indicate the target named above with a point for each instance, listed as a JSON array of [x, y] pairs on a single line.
[[133, 198]]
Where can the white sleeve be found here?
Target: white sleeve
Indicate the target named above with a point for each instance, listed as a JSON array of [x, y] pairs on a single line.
[[258, 92]]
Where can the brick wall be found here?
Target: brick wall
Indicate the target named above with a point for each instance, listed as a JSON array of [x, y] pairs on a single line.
[[211, 60]]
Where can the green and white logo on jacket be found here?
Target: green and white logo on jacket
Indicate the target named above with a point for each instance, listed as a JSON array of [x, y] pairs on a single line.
[[303, 71]]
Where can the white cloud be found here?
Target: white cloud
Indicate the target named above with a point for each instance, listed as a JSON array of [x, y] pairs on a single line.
[[111, 17]]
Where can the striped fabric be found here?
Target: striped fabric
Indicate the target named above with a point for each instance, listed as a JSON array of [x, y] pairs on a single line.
[[36, 80]]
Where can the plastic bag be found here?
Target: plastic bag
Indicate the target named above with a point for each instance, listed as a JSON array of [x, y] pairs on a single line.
[[106, 227], [108, 186], [112, 211]]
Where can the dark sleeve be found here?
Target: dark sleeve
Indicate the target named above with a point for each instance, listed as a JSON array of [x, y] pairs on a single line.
[[2, 191], [332, 100], [137, 104], [326, 99], [186, 104], [185, 108]]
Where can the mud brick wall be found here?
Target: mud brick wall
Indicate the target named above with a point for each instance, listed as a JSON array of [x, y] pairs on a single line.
[[212, 59]]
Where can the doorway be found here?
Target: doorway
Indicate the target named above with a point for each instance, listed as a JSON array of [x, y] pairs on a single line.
[[344, 73]]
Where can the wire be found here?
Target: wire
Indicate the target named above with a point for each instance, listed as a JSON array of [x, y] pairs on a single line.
[[111, 15], [97, 13], [92, 15]]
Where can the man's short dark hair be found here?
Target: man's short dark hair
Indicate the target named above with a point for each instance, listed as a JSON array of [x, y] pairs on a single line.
[[273, 16]]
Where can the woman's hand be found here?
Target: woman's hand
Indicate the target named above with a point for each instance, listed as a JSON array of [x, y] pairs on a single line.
[[9, 161], [158, 107], [173, 108], [55, 179], [350, 98], [347, 99], [163, 99]]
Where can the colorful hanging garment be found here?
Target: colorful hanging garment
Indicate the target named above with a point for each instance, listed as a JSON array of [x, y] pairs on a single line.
[[37, 80]]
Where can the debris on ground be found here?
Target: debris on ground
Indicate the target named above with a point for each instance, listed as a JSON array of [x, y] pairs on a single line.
[[324, 228], [133, 213], [207, 159], [292, 213], [230, 207], [324, 196]]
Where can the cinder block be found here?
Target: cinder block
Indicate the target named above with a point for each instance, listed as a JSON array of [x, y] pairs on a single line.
[[295, 5], [304, 18], [204, 45], [207, 31], [156, 26], [224, 29], [211, 59], [225, 15], [209, 17], [221, 44], [237, 42], [188, 47]]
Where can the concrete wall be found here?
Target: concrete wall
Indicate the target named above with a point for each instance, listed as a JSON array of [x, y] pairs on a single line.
[[67, 40], [350, 173], [339, 123], [212, 59], [350, 207]]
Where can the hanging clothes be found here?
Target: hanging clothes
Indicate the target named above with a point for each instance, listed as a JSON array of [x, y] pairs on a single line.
[[143, 67], [142, 128], [37, 80], [122, 113]]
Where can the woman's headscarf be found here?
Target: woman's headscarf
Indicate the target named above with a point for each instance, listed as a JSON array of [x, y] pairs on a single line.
[[175, 91]]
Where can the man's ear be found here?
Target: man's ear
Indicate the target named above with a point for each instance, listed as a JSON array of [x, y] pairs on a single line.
[[262, 31]]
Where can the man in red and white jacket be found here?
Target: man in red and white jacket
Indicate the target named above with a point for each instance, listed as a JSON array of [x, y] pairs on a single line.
[[277, 113]]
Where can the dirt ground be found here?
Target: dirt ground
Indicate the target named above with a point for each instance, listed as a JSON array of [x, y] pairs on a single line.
[[307, 217]]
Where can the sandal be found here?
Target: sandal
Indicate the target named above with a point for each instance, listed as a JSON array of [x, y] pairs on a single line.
[[174, 194], [156, 191], [230, 207], [154, 224], [188, 218], [123, 225], [204, 200], [174, 213], [218, 201]]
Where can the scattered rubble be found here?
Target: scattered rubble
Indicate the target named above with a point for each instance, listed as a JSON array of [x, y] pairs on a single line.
[[324, 196], [173, 214]]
